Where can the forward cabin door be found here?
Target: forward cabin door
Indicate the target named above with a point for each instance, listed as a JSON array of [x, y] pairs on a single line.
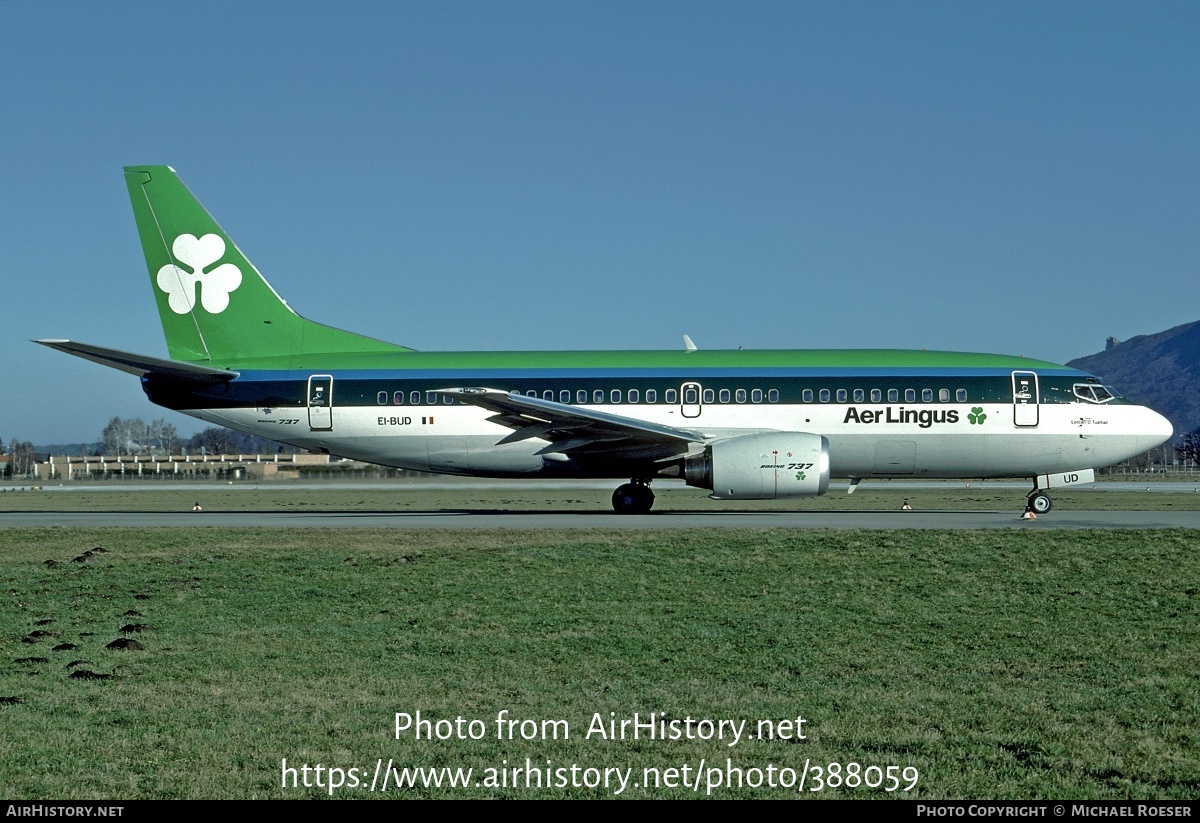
[[1025, 398], [320, 402]]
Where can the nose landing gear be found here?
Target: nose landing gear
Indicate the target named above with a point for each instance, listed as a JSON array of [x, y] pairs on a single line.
[[1040, 502], [633, 497]]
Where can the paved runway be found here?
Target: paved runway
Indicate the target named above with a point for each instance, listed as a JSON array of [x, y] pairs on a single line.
[[606, 520]]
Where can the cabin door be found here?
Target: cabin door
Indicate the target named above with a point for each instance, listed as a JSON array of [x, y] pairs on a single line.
[[1025, 398], [689, 399], [320, 402]]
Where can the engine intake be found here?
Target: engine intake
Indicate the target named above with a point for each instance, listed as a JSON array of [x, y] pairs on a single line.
[[763, 466]]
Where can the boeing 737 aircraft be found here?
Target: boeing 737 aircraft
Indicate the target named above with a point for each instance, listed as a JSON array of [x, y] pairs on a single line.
[[744, 424]]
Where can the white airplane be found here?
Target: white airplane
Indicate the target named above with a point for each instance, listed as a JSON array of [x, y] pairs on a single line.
[[744, 424]]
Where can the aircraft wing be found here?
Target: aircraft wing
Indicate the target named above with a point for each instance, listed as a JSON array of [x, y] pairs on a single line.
[[574, 430], [141, 364]]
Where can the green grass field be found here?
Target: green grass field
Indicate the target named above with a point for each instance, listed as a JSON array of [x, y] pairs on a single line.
[[997, 665]]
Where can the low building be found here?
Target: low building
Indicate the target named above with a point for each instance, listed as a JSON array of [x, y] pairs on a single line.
[[190, 467]]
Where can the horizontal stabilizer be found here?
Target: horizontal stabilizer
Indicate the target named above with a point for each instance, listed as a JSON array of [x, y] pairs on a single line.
[[141, 364]]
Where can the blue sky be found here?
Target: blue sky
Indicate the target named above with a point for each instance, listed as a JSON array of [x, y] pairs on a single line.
[[1019, 178]]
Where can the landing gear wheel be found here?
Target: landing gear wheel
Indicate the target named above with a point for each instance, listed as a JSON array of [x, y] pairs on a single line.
[[1040, 503], [632, 498]]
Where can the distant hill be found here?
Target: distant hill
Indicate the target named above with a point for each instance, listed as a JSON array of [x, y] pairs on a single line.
[[1160, 370], [71, 449]]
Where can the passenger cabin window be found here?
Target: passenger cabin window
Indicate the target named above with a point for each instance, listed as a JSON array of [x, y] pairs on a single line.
[[581, 396], [740, 396], [961, 395], [910, 395], [893, 395], [806, 395], [708, 396], [430, 399], [598, 396], [926, 395], [773, 396], [670, 395], [414, 398], [564, 396], [531, 393], [756, 395], [651, 395], [633, 395], [724, 395], [398, 398], [447, 400], [614, 396], [841, 395], [859, 395], [548, 394], [824, 395], [876, 395], [690, 397], [381, 398], [943, 395]]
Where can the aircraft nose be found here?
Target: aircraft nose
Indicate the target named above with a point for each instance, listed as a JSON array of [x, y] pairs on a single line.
[[1155, 429]]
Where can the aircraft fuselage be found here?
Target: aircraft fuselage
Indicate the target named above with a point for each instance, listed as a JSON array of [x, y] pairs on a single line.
[[962, 420]]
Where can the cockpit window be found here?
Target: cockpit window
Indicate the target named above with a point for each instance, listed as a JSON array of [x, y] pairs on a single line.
[[1092, 393]]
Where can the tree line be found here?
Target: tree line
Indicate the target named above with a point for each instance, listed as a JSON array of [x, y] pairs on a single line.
[[21, 457], [136, 436], [1188, 447]]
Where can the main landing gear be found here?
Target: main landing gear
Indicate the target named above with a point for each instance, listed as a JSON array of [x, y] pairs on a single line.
[[1040, 502], [633, 497]]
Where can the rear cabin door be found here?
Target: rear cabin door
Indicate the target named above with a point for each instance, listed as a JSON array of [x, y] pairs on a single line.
[[320, 402], [1025, 398], [689, 399]]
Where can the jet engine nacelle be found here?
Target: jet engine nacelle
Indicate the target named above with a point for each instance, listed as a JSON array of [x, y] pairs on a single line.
[[762, 466]]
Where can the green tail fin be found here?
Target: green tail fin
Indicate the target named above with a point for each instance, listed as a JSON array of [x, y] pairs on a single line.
[[214, 305]]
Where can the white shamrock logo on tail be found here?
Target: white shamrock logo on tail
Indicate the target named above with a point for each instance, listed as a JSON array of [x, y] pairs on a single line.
[[215, 286]]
